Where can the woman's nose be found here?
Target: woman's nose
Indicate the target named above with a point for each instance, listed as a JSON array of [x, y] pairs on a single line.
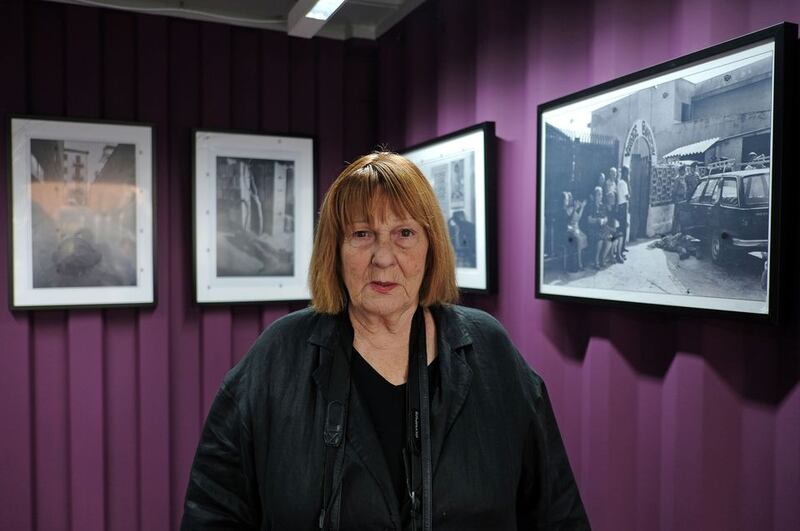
[[383, 253]]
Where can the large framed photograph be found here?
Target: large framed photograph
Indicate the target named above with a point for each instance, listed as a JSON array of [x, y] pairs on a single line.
[[662, 188], [253, 217], [81, 214], [461, 168]]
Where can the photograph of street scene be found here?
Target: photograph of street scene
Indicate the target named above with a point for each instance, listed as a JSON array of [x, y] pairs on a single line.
[[83, 214], [659, 191], [255, 217]]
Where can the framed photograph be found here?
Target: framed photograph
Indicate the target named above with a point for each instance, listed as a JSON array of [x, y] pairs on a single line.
[[81, 214], [461, 168], [662, 188], [253, 217]]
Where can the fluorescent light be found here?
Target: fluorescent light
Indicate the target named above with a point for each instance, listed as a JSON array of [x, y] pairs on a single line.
[[323, 9], [307, 17]]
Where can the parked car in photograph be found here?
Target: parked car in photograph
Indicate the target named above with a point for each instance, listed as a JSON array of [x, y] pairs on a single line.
[[728, 213]]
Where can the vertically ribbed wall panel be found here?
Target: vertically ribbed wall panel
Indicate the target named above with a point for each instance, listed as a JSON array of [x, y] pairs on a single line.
[[787, 463], [671, 423], [154, 423], [17, 405], [103, 408]]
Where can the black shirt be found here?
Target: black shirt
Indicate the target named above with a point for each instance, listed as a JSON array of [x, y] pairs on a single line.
[[386, 405]]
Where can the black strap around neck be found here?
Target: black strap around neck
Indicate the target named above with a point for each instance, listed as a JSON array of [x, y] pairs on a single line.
[[335, 430], [417, 454]]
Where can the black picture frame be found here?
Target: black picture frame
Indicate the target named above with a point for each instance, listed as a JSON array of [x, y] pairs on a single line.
[[252, 246], [702, 140], [462, 169], [82, 213]]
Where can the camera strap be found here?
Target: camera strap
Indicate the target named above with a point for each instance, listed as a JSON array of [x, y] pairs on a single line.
[[334, 432], [417, 453]]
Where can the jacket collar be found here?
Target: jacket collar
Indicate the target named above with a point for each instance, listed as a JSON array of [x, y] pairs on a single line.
[[447, 402], [450, 327]]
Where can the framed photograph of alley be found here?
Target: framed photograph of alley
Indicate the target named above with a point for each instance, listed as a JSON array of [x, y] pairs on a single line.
[[253, 217], [82, 206]]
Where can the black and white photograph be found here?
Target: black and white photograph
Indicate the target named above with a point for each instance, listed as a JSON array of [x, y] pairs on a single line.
[[458, 168], [454, 185], [82, 227], [253, 217], [659, 188]]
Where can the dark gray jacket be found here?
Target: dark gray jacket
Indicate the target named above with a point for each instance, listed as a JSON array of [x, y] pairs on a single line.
[[498, 459]]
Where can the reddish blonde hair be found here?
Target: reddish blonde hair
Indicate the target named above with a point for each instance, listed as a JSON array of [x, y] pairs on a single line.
[[361, 191]]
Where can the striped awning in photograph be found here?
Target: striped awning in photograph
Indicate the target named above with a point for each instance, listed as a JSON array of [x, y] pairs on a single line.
[[692, 149]]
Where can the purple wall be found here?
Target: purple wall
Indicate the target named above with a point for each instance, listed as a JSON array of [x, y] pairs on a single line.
[[101, 410], [671, 423]]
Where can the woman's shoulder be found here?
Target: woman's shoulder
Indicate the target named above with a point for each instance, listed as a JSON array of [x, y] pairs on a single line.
[[492, 350], [476, 325], [290, 325], [284, 342], [470, 315]]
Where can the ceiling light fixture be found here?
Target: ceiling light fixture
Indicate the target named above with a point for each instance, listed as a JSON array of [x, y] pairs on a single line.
[[307, 17], [323, 9]]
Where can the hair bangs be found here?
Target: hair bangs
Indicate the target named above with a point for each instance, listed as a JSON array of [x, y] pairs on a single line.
[[374, 192]]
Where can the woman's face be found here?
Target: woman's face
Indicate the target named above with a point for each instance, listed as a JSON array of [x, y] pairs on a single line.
[[383, 263]]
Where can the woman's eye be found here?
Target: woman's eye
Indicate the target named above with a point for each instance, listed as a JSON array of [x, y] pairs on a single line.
[[360, 234], [406, 233]]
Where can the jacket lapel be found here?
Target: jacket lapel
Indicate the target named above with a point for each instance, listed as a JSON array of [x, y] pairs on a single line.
[[329, 335], [363, 440], [456, 377]]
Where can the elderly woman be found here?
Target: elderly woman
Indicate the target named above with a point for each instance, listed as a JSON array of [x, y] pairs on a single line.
[[383, 406]]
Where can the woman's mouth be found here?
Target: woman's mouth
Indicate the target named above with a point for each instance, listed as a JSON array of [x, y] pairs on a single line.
[[382, 287]]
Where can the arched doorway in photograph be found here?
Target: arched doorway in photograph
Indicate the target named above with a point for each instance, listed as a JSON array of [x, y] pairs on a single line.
[[638, 156]]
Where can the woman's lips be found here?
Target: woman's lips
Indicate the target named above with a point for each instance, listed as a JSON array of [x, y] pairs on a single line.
[[382, 287]]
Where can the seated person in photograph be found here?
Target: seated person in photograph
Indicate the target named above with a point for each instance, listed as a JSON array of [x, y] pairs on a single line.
[[575, 239], [596, 219], [462, 235], [610, 232], [383, 405]]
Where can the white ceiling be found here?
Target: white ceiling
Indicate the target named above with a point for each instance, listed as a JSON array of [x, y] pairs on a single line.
[[364, 19]]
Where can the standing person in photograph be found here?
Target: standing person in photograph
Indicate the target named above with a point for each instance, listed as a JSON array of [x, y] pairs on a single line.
[[678, 196], [691, 180], [623, 198], [384, 405], [611, 183]]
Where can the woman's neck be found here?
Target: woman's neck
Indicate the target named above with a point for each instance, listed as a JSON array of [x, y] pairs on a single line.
[[383, 342]]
